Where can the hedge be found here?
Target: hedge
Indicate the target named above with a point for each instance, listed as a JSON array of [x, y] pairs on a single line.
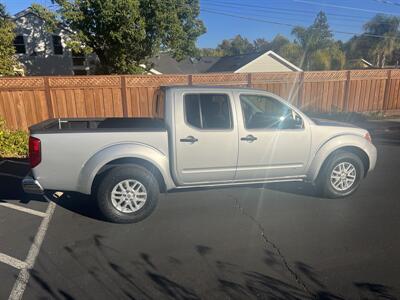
[[13, 143]]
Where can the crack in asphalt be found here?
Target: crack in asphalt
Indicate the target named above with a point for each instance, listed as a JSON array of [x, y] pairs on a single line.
[[270, 243]]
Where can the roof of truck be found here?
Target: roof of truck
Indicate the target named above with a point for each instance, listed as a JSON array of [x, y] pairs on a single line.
[[210, 87]]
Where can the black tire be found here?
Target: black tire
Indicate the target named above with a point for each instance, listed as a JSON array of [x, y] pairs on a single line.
[[324, 184], [117, 175]]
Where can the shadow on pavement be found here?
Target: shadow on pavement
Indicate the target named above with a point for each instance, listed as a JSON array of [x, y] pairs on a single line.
[[297, 188], [78, 203], [374, 291], [86, 206], [142, 278], [11, 174]]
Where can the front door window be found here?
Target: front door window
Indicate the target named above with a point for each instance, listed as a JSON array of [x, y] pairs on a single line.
[[263, 112]]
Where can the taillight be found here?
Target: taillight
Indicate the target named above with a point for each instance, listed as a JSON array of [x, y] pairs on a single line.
[[35, 153], [367, 136]]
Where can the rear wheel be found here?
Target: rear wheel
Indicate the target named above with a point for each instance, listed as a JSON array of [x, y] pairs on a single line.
[[127, 194], [341, 175]]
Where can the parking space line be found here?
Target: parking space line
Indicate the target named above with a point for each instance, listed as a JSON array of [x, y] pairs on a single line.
[[23, 209], [13, 262], [23, 277]]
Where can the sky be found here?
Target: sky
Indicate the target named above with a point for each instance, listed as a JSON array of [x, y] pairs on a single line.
[[266, 18]]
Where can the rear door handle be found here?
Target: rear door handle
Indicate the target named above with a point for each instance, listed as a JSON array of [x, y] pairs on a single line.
[[249, 138], [189, 139]]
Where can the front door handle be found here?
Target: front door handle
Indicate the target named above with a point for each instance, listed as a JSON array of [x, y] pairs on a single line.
[[189, 139], [249, 138]]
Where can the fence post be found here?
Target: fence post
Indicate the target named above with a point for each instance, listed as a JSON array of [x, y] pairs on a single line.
[[300, 93], [346, 92], [190, 79], [47, 94], [387, 90], [124, 99], [249, 80]]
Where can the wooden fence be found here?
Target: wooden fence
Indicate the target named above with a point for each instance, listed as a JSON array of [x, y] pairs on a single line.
[[28, 100]]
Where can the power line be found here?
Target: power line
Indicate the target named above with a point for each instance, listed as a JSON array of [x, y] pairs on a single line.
[[345, 7], [285, 10], [293, 25], [274, 17], [388, 2], [274, 14]]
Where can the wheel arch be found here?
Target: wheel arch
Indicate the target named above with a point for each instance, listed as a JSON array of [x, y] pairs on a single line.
[[355, 145], [155, 161], [351, 149], [130, 161]]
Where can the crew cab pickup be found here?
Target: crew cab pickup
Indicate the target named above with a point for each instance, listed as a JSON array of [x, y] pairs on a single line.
[[201, 137]]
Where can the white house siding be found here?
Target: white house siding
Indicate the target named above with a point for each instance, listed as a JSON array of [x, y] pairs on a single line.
[[265, 63], [39, 58]]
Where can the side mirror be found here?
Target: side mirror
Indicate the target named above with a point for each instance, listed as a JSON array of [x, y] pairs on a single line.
[[291, 121], [298, 122]]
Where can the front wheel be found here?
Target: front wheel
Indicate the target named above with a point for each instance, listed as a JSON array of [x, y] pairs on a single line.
[[341, 175], [127, 194]]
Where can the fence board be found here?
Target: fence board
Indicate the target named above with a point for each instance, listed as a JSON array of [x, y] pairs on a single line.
[[117, 103], [28, 100]]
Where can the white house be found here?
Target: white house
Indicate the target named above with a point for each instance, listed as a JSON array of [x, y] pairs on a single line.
[[246, 63], [43, 52]]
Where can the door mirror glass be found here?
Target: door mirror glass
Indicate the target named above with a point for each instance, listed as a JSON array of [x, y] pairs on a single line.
[[266, 112]]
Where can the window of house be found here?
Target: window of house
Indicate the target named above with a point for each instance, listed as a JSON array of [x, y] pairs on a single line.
[[57, 45], [80, 72], [19, 44], [78, 58], [266, 112], [208, 111]]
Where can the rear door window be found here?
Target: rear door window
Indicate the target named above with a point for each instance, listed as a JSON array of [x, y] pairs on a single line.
[[208, 111]]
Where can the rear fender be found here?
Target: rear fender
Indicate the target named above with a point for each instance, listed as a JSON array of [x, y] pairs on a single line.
[[126, 150]]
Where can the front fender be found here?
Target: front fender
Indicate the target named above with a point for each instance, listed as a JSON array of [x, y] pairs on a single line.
[[125, 150], [335, 143]]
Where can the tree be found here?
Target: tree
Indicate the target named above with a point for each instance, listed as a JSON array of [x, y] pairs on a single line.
[[337, 56], [278, 43], [292, 52], [388, 27], [261, 45], [379, 44], [237, 45], [8, 62], [313, 38], [124, 34], [210, 52], [319, 50], [356, 48], [327, 59]]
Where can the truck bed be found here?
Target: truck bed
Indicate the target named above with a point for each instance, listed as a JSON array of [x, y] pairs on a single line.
[[61, 125], [67, 145]]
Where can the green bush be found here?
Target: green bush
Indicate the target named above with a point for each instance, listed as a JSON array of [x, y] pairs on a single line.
[[13, 143]]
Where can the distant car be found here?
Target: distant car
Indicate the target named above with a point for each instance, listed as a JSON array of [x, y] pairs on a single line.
[[205, 137]]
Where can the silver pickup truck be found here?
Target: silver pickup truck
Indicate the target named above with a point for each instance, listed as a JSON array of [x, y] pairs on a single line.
[[202, 137]]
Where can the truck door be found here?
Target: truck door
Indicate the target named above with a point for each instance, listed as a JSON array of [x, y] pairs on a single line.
[[206, 138], [274, 141]]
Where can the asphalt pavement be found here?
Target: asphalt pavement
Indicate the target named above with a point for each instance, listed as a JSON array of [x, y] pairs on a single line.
[[277, 242]]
